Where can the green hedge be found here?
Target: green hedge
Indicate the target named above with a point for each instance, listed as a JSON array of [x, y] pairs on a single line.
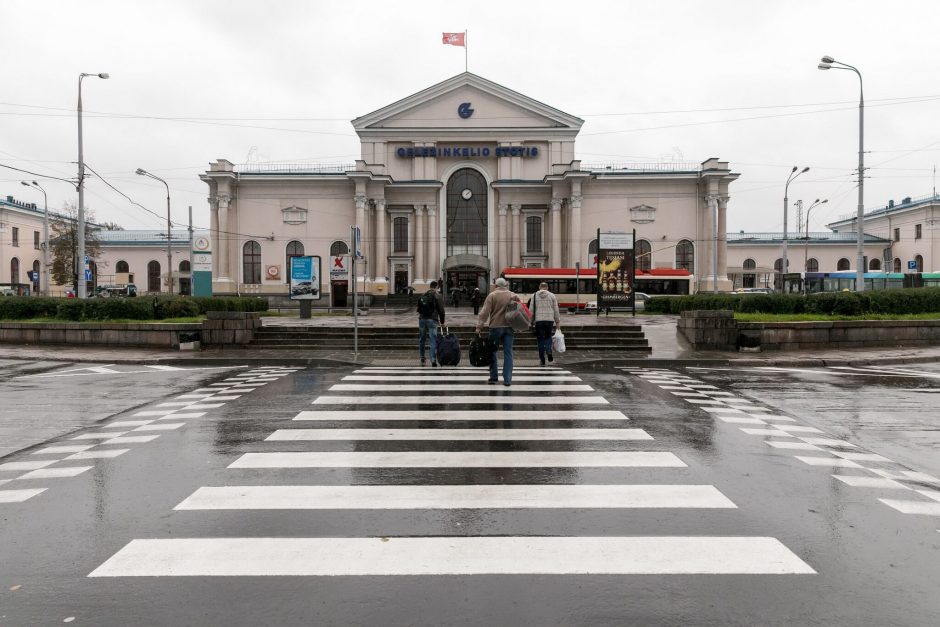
[[899, 301], [140, 308]]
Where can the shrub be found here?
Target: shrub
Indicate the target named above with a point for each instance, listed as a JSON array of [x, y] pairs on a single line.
[[220, 303], [175, 308], [18, 308], [898, 301]]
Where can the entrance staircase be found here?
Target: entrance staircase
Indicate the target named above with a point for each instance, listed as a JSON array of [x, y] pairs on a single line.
[[609, 339]]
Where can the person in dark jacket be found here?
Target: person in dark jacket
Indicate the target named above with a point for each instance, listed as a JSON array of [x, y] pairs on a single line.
[[476, 299], [430, 313]]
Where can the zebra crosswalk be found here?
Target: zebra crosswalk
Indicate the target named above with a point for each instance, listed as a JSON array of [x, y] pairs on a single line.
[[553, 421]]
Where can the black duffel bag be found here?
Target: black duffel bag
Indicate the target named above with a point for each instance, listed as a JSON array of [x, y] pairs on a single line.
[[481, 350]]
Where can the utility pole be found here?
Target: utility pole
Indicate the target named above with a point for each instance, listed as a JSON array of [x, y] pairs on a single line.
[[192, 258]]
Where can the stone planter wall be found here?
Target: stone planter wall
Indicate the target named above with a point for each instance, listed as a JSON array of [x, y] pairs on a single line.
[[103, 333], [228, 328]]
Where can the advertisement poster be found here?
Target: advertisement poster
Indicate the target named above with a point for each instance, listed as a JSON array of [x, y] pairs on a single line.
[[615, 265], [305, 278]]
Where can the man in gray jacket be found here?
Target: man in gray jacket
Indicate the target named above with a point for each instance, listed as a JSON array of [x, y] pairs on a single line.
[[547, 319], [493, 315]]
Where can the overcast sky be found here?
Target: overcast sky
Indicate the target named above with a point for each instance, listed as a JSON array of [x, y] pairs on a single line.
[[279, 81]]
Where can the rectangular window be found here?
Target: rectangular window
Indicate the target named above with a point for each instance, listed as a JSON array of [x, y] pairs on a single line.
[[16, 236], [533, 234], [917, 231], [897, 235], [36, 240], [400, 235]]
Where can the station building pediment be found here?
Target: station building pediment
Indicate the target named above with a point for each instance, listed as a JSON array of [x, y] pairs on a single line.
[[467, 104]]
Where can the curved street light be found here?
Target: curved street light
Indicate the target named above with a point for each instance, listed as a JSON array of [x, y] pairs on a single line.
[[816, 203], [44, 288], [169, 239], [80, 257], [786, 235], [829, 63]]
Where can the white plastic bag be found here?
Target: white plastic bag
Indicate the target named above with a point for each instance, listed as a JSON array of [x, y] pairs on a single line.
[[558, 342]]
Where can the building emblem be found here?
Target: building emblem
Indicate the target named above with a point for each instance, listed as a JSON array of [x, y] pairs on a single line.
[[464, 110]]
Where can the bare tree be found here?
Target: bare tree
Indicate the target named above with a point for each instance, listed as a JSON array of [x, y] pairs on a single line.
[[111, 226], [64, 244]]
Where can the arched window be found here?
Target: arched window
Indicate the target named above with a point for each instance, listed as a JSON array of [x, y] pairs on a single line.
[[749, 279], [14, 270], [644, 255], [897, 264], [874, 265], [251, 263], [153, 276], [592, 252], [338, 249], [812, 265], [184, 266], [122, 267], [778, 265], [919, 262], [685, 256], [843, 264], [294, 249], [533, 234], [467, 206]]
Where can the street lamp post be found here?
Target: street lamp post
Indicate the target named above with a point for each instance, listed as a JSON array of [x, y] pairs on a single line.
[[169, 224], [816, 203], [44, 288], [786, 202], [80, 257], [828, 63]]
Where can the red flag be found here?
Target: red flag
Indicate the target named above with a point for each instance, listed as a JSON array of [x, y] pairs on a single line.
[[453, 39]]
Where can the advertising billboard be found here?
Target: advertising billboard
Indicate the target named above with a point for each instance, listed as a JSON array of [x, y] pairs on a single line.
[[615, 269], [305, 278]]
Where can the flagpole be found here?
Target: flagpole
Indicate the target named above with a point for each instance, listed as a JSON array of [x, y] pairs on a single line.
[[466, 46]]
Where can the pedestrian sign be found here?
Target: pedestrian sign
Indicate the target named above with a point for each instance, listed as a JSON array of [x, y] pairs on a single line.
[[88, 275], [357, 242]]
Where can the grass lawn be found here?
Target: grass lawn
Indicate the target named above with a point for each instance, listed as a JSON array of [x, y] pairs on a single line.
[[766, 317]]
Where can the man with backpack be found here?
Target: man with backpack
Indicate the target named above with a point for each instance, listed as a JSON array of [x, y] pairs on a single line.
[[499, 312], [430, 313]]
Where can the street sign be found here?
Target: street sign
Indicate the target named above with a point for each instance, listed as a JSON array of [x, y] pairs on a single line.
[[911, 265], [88, 276], [357, 242]]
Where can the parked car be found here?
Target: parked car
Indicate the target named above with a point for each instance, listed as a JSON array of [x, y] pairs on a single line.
[[304, 287]]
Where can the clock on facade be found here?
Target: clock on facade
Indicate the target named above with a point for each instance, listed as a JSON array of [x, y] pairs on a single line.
[[466, 194], [201, 243]]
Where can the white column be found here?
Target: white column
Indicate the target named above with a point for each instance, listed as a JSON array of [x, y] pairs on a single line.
[[361, 203], [434, 239], [412, 246], [703, 253], [421, 243], [225, 239], [723, 238], [576, 247], [214, 234], [555, 260], [516, 236], [502, 239], [381, 240]]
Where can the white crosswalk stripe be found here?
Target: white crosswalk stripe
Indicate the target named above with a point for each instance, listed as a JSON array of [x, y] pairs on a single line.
[[576, 437]]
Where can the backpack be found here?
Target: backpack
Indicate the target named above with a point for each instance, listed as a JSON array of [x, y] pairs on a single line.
[[426, 305], [516, 317], [448, 349]]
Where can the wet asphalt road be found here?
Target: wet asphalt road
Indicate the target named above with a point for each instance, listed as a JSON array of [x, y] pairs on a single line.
[[806, 539]]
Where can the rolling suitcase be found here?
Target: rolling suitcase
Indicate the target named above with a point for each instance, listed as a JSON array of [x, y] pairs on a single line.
[[481, 351], [448, 349]]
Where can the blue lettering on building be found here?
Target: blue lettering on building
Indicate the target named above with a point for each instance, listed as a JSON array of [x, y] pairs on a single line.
[[484, 152]]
